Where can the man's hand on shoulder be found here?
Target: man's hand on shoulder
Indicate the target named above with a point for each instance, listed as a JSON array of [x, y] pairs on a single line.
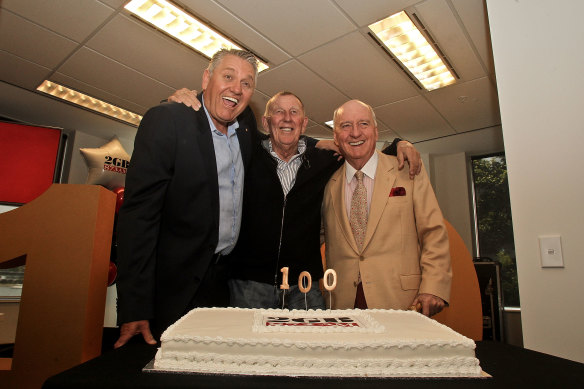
[[407, 152], [187, 97], [128, 330], [428, 303]]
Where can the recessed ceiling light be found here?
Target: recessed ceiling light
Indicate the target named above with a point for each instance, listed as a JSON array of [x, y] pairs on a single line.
[[183, 26], [86, 101], [403, 39]]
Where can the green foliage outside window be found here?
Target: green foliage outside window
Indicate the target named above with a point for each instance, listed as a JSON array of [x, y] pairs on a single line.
[[495, 225]]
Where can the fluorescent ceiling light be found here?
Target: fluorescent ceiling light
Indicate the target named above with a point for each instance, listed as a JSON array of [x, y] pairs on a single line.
[[183, 26], [401, 36], [83, 100], [330, 124]]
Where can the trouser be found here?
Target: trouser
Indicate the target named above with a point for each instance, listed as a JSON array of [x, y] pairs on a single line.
[[253, 294], [213, 290]]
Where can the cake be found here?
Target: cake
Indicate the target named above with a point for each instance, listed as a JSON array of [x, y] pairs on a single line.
[[337, 343]]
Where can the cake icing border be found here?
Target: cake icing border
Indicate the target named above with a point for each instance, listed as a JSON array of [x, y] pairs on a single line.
[[259, 365]]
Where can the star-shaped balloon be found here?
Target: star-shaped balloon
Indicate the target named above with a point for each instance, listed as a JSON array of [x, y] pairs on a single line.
[[107, 164]]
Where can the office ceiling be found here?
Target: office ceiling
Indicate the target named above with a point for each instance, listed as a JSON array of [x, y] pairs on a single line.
[[318, 49]]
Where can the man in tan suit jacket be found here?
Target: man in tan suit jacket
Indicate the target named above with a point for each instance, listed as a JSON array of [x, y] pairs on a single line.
[[404, 260]]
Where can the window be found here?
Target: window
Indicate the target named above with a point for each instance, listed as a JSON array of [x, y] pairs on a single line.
[[494, 222]]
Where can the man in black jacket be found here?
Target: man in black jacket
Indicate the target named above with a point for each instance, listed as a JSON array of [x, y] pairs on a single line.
[[182, 206]]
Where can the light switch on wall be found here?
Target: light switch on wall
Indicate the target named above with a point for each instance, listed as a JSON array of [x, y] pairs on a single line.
[[550, 250]]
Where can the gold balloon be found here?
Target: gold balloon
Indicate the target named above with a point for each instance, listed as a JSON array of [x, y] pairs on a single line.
[[107, 164]]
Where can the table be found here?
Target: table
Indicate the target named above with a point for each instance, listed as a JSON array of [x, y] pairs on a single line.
[[509, 366]]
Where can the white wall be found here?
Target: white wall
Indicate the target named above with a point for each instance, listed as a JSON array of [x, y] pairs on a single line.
[[450, 182], [538, 60]]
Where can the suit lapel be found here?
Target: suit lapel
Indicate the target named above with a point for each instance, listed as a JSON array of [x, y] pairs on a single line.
[[206, 148], [244, 142], [247, 135], [385, 176], [337, 188]]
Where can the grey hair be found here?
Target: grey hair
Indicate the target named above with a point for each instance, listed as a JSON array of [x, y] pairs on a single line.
[[245, 55], [337, 113]]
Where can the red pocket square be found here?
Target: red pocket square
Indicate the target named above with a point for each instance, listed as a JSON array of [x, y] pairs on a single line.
[[397, 191]]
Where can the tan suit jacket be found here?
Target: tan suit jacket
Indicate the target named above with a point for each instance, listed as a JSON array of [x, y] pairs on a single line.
[[406, 245]]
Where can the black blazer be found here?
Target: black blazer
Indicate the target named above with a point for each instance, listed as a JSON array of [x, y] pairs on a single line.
[[168, 224]]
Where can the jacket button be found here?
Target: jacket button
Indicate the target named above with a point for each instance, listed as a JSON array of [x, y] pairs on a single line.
[[361, 258], [355, 283]]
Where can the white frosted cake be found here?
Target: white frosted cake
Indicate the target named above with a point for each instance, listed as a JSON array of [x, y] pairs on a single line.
[[338, 343]]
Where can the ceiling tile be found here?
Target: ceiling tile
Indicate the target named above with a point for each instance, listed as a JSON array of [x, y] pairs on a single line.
[[386, 134], [473, 14], [129, 64], [296, 26], [374, 10], [485, 141], [21, 72], [233, 26], [296, 78], [146, 50], [52, 112], [92, 91], [72, 18], [324, 132], [114, 3], [468, 106], [451, 38], [414, 119], [360, 70], [318, 131], [32, 42], [115, 78]]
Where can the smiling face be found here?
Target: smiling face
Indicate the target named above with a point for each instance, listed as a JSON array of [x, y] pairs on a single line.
[[227, 91], [284, 120], [355, 132]]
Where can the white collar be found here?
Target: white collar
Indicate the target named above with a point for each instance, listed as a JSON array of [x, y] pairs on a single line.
[[369, 168]]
